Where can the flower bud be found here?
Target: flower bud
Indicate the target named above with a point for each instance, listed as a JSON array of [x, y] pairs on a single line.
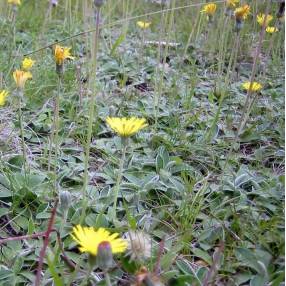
[[98, 3], [54, 3], [104, 256], [65, 200]]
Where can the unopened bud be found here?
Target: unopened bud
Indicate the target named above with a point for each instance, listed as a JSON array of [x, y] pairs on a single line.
[[65, 200], [98, 3], [104, 256], [54, 3]]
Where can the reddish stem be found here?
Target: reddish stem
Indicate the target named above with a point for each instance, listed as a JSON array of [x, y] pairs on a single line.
[[35, 235], [45, 244], [160, 252]]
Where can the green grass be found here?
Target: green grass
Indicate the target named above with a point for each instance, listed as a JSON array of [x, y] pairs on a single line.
[[212, 197]]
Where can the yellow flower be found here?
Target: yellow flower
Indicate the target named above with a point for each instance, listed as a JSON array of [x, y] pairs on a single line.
[[27, 63], [3, 95], [126, 127], [209, 9], [271, 30], [255, 86], [260, 19], [143, 25], [231, 3], [21, 77], [89, 239], [242, 12], [14, 2], [62, 53]]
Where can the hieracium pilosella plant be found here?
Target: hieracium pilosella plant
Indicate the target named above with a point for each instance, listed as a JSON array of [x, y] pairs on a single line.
[[142, 142]]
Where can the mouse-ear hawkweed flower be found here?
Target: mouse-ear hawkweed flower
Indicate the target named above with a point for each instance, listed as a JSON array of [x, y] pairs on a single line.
[[61, 54], [89, 240], [262, 17], [252, 87], [21, 77], [3, 95], [209, 9], [240, 14], [271, 30], [27, 64], [14, 2], [231, 3], [143, 25], [126, 127]]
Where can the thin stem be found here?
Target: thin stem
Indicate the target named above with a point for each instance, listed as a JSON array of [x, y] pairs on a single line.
[[107, 279], [120, 173], [45, 244], [85, 280], [117, 23], [91, 114], [20, 115], [22, 237], [56, 138], [244, 116], [159, 88], [226, 83]]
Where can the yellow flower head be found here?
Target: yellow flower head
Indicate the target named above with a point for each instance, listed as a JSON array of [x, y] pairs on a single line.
[[27, 63], [254, 87], [231, 3], [260, 19], [14, 2], [89, 239], [3, 95], [209, 9], [62, 53], [271, 30], [21, 77], [242, 12], [143, 25], [126, 127]]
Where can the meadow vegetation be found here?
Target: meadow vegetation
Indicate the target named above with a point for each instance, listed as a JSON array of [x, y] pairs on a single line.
[[142, 142]]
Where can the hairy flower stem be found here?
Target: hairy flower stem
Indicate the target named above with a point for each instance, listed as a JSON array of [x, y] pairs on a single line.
[[85, 280], [223, 92], [107, 279], [56, 135], [91, 114], [124, 142], [246, 111], [159, 84], [20, 115]]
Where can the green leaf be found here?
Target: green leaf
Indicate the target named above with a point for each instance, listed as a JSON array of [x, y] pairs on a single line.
[[258, 280], [57, 279], [202, 254], [4, 211], [118, 41], [248, 258]]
